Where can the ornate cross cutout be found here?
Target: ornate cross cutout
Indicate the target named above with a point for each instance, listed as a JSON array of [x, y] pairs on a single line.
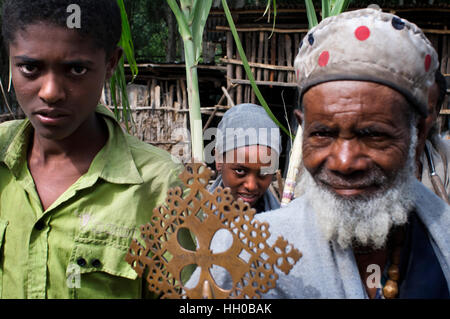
[[204, 214]]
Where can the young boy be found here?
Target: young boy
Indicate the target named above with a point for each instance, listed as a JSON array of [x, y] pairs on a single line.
[[74, 188]]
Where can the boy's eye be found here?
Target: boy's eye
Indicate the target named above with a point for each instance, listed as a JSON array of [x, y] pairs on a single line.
[[28, 69], [78, 70], [239, 171]]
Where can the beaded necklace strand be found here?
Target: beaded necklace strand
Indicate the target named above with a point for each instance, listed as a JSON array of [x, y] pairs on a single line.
[[390, 289]]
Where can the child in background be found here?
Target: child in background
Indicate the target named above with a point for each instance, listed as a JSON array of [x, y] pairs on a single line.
[[247, 151]]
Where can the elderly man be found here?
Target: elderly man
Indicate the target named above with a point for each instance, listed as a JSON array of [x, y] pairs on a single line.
[[365, 226]]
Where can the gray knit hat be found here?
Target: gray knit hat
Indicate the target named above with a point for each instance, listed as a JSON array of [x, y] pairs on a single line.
[[369, 45], [244, 125]]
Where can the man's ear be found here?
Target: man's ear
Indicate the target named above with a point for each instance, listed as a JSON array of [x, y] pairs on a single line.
[[112, 62], [299, 116]]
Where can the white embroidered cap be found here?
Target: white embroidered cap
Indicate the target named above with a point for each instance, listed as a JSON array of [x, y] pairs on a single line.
[[369, 45]]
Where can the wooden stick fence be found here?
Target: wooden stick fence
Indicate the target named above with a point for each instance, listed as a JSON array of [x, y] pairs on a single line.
[[271, 54]]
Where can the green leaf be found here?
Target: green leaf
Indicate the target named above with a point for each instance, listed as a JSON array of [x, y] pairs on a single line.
[[325, 9], [118, 84], [10, 76], [274, 14], [267, 11], [122, 85], [339, 7], [201, 12], [113, 85], [311, 13], [187, 7], [248, 70], [267, 8], [183, 26], [126, 41]]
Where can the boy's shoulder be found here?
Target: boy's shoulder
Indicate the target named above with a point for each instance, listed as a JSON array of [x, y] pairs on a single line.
[[146, 156], [8, 131], [146, 150], [150, 157], [10, 125]]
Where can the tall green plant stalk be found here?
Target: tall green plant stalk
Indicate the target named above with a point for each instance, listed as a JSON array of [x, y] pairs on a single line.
[[118, 83], [191, 17]]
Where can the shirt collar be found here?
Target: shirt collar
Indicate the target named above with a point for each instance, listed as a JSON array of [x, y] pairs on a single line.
[[114, 163], [116, 157], [16, 142]]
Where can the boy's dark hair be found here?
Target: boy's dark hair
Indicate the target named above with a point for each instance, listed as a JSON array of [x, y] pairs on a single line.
[[100, 19], [442, 84]]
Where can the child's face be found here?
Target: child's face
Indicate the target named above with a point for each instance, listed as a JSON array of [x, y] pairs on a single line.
[[58, 78], [245, 172]]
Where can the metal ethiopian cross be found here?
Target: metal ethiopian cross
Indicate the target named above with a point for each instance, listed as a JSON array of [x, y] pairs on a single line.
[[204, 214]]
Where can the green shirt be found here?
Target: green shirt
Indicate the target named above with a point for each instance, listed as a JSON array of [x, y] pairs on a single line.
[[77, 247]]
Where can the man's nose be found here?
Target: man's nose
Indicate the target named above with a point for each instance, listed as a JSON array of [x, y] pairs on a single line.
[[52, 89], [251, 183], [346, 157]]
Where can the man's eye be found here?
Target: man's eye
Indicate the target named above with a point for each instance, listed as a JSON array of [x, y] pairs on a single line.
[[28, 69], [78, 70], [371, 133], [321, 134], [239, 171]]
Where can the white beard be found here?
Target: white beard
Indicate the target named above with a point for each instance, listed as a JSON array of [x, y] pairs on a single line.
[[364, 222]]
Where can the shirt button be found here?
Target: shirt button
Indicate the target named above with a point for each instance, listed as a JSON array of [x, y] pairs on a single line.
[[81, 262], [96, 263], [40, 225]]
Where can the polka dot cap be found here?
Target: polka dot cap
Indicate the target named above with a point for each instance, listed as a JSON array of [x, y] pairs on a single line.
[[369, 45]]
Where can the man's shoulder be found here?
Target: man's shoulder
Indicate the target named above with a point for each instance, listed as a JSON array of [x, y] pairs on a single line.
[[432, 210], [296, 215], [296, 206], [444, 142], [426, 199], [441, 145]]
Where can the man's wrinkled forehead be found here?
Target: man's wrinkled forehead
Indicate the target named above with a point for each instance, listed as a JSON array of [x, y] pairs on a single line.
[[359, 97]]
